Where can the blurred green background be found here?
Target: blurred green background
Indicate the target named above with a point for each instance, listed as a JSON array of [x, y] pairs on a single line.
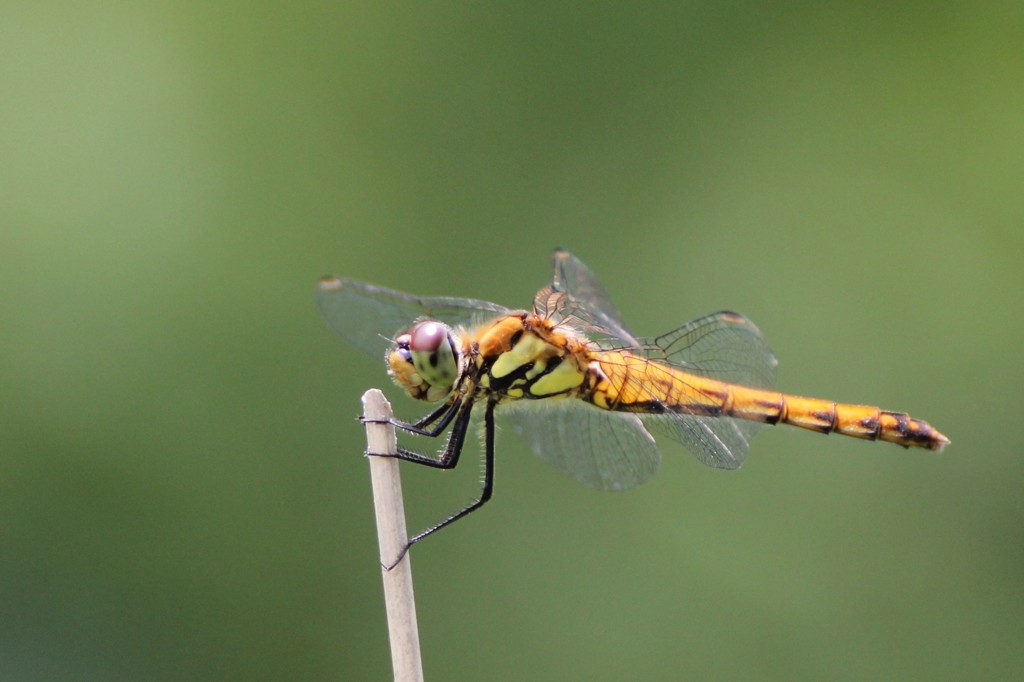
[[182, 492]]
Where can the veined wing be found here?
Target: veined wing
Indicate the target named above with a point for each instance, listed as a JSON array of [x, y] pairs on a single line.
[[725, 346], [370, 316], [577, 300], [603, 450]]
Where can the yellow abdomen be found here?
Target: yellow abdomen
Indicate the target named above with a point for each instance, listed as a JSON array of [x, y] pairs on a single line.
[[622, 381]]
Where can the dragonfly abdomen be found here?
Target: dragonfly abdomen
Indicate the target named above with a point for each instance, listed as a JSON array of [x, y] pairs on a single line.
[[826, 416], [859, 421], [625, 382]]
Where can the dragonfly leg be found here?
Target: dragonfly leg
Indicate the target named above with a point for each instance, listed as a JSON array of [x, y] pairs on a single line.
[[485, 493], [445, 413], [442, 416], [453, 448]]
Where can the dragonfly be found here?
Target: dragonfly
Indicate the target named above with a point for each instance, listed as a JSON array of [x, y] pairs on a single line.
[[588, 395]]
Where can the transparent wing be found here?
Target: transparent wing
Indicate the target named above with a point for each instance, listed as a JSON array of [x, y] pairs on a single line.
[[719, 442], [370, 316], [725, 346], [603, 450], [577, 300]]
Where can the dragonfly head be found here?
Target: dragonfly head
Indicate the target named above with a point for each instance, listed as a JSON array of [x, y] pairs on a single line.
[[425, 361]]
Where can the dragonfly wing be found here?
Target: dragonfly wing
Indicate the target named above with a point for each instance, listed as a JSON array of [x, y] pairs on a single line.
[[719, 442], [725, 346], [369, 316], [603, 450], [576, 299]]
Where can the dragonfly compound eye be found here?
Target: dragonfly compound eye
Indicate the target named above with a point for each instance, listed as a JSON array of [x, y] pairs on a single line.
[[427, 336], [433, 354]]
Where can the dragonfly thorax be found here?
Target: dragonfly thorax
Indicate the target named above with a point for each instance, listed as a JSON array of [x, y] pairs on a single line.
[[525, 356], [425, 360]]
